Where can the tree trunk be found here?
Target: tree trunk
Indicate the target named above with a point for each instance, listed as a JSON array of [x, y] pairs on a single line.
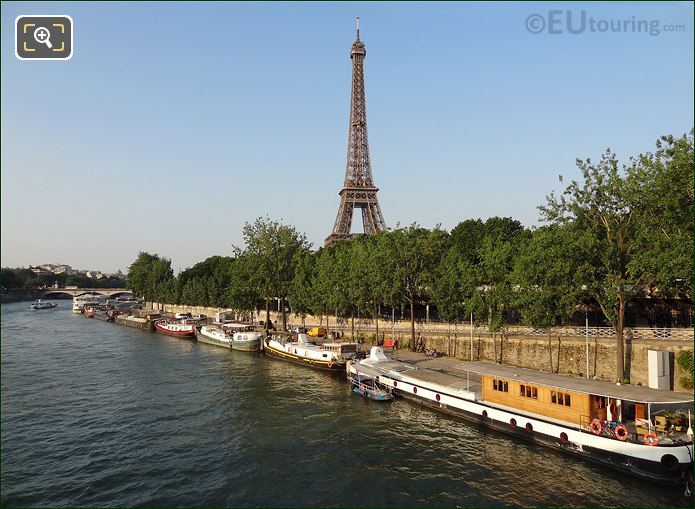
[[352, 325], [550, 350], [494, 343], [267, 314], [377, 326], [620, 345], [559, 348], [284, 316], [502, 347], [412, 323], [448, 341]]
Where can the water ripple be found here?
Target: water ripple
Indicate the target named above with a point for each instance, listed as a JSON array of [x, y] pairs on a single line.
[[94, 414]]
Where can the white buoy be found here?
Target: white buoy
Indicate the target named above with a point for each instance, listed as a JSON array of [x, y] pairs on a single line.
[[690, 429]]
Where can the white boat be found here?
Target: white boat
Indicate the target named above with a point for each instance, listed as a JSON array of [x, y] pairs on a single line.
[[328, 356], [596, 420], [234, 336], [214, 336], [87, 300], [39, 304]]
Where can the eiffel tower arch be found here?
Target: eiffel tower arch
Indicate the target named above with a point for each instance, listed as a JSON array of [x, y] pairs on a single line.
[[359, 191]]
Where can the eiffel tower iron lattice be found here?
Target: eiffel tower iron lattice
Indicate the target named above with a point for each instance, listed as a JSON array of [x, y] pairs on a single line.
[[358, 189]]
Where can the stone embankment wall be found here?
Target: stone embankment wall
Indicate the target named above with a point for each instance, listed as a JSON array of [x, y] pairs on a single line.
[[563, 354]]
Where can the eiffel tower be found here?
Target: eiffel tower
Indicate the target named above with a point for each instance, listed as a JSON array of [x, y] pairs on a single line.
[[358, 188]]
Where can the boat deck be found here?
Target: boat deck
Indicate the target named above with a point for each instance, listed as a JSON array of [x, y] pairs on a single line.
[[449, 382]]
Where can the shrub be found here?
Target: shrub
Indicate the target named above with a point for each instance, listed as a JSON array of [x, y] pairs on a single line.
[[685, 360]]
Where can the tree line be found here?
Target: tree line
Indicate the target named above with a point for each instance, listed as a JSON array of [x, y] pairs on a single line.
[[26, 279], [619, 232]]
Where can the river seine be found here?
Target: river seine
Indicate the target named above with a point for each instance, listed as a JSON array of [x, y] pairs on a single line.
[[97, 414]]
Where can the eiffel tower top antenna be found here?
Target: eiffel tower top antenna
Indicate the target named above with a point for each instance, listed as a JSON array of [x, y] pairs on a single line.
[[358, 28]]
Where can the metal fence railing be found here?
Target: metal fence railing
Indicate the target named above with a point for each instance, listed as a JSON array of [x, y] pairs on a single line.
[[401, 328]]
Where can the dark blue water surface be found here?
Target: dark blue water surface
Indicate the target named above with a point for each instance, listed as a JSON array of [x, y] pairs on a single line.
[[97, 414]]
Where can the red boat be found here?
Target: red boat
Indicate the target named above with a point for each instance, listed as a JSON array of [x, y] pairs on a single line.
[[176, 328], [89, 312]]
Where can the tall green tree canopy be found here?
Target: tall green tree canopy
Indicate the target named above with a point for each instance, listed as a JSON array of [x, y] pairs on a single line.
[[636, 226], [147, 273], [272, 246]]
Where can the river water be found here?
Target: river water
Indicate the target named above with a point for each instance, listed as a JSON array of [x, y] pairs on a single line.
[[97, 414]]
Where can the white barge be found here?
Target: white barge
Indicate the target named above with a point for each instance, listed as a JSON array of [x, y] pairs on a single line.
[[331, 356], [616, 425]]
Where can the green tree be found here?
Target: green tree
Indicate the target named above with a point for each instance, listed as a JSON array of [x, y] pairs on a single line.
[[369, 279], [452, 285], [272, 246], [549, 277], [302, 297], [242, 291], [413, 255], [603, 207], [146, 274], [685, 360], [664, 216]]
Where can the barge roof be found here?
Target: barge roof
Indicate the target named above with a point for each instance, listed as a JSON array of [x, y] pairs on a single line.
[[580, 385]]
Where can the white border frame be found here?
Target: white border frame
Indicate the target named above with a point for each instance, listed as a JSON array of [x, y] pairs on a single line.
[[72, 35]]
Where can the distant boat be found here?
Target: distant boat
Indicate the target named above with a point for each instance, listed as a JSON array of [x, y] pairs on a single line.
[[87, 300], [43, 305], [182, 329]]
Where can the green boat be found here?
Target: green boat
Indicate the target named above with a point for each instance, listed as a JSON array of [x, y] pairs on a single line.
[[247, 341]]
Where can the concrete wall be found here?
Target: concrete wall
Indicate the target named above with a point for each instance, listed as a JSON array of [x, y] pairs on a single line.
[[567, 354]]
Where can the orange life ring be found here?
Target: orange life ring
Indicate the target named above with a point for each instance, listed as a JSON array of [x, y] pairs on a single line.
[[650, 438], [330, 364], [621, 432], [596, 427]]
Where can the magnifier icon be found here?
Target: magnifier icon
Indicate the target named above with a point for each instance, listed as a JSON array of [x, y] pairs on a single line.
[[43, 36]]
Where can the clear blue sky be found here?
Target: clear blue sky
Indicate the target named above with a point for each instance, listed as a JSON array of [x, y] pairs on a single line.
[[174, 123]]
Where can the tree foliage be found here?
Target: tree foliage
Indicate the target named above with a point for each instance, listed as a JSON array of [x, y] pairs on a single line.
[[636, 227]]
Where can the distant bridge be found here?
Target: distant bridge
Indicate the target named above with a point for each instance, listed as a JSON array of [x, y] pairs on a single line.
[[75, 292]]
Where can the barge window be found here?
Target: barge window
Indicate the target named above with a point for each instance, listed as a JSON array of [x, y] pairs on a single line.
[[500, 385], [528, 391], [560, 398]]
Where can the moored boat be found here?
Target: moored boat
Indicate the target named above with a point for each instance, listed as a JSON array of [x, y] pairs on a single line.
[[39, 304], [327, 356], [247, 341], [182, 329], [89, 312], [87, 300], [370, 388], [614, 425], [213, 335], [138, 322]]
